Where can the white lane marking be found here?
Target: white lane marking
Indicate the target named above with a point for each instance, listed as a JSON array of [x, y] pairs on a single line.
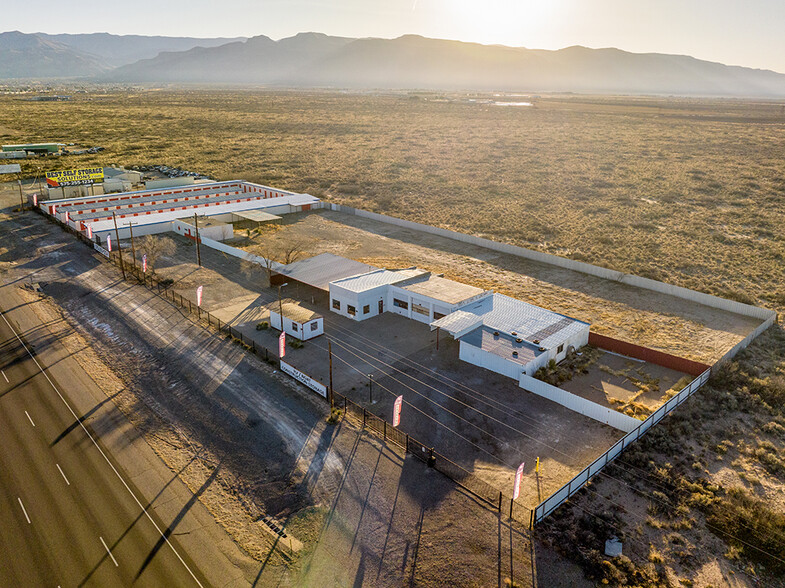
[[29, 418], [62, 474], [101, 451], [24, 510], [109, 552], [6, 377]]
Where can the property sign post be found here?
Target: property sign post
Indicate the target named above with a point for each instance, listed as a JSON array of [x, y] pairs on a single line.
[[517, 487], [109, 243], [144, 263], [282, 345], [397, 411], [199, 295]]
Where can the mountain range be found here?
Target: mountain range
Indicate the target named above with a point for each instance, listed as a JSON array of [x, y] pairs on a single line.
[[407, 62], [40, 55]]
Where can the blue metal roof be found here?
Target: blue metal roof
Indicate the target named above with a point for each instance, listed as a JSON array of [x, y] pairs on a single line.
[[514, 317]]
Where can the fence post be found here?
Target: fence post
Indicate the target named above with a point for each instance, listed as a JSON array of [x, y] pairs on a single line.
[[500, 501], [407, 443], [363, 418], [511, 503], [253, 345], [344, 405], [431, 458], [385, 430]]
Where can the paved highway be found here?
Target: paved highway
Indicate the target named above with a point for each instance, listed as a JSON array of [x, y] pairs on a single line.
[[68, 515]]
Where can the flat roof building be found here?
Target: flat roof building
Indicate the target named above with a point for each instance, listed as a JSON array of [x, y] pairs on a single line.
[[152, 211]]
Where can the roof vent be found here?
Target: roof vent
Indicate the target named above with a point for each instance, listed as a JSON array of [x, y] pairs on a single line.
[[515, 354], [542, 348], [513, 333], [496, 333], [519, 340], [536, 341]]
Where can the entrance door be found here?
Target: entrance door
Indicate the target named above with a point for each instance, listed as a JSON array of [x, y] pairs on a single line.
[[381, 306]]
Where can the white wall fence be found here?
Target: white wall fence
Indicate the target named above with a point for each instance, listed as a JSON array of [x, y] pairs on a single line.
[[748, 339], [235, 252], [547, 506], [595, 411], [579, 266]]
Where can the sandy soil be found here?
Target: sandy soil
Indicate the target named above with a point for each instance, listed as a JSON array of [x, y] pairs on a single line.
[[654, 320], [615, 381]]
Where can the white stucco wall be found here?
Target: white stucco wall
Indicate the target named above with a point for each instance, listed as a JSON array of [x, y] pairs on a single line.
[[302, 331]]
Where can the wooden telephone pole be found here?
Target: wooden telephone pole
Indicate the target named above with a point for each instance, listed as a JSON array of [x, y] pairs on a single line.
[[119, 249], [133, 249], [198, 248]]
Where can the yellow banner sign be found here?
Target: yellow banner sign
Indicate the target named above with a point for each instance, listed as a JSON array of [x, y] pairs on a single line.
[[75, 177]]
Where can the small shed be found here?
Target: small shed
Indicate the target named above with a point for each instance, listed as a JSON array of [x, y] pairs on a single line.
[[298, 321]]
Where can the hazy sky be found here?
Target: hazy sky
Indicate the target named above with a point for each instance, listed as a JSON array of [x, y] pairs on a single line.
[[736, 32]]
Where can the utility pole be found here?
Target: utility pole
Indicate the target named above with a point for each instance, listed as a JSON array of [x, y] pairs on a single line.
[[119, 249], [199, 251], [133, 249], [330, 353]]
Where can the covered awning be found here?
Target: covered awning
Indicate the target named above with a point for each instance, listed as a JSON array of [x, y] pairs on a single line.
[[458, 323], [258, 216]]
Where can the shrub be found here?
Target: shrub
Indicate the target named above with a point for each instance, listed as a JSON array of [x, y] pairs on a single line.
[[262, 326]]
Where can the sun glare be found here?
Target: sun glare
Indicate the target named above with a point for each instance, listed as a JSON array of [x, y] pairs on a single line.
[[508, 22]]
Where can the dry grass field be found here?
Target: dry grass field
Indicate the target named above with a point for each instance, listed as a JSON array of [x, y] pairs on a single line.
[[691, 192], [686, 191]]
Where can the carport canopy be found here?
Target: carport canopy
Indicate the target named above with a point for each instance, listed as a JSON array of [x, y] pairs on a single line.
[[258, 216]]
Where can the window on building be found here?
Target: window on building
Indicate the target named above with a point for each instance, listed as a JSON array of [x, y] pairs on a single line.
[[294, 327], [560, 348], [351, 309], [314, 326], [420, 309], [336, 304], [366, 309], [400, 304], [438, 315]]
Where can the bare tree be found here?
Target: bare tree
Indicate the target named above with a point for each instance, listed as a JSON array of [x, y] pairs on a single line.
[[155, 247], [292, 251]]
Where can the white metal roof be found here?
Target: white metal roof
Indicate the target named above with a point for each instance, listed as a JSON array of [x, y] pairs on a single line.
[[440, 288], [515, 317], [374, 279]]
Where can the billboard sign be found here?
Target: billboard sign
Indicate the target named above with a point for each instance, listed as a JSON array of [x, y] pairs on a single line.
[[518, 477], [75, 177], [317, 387], [397, 411]]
